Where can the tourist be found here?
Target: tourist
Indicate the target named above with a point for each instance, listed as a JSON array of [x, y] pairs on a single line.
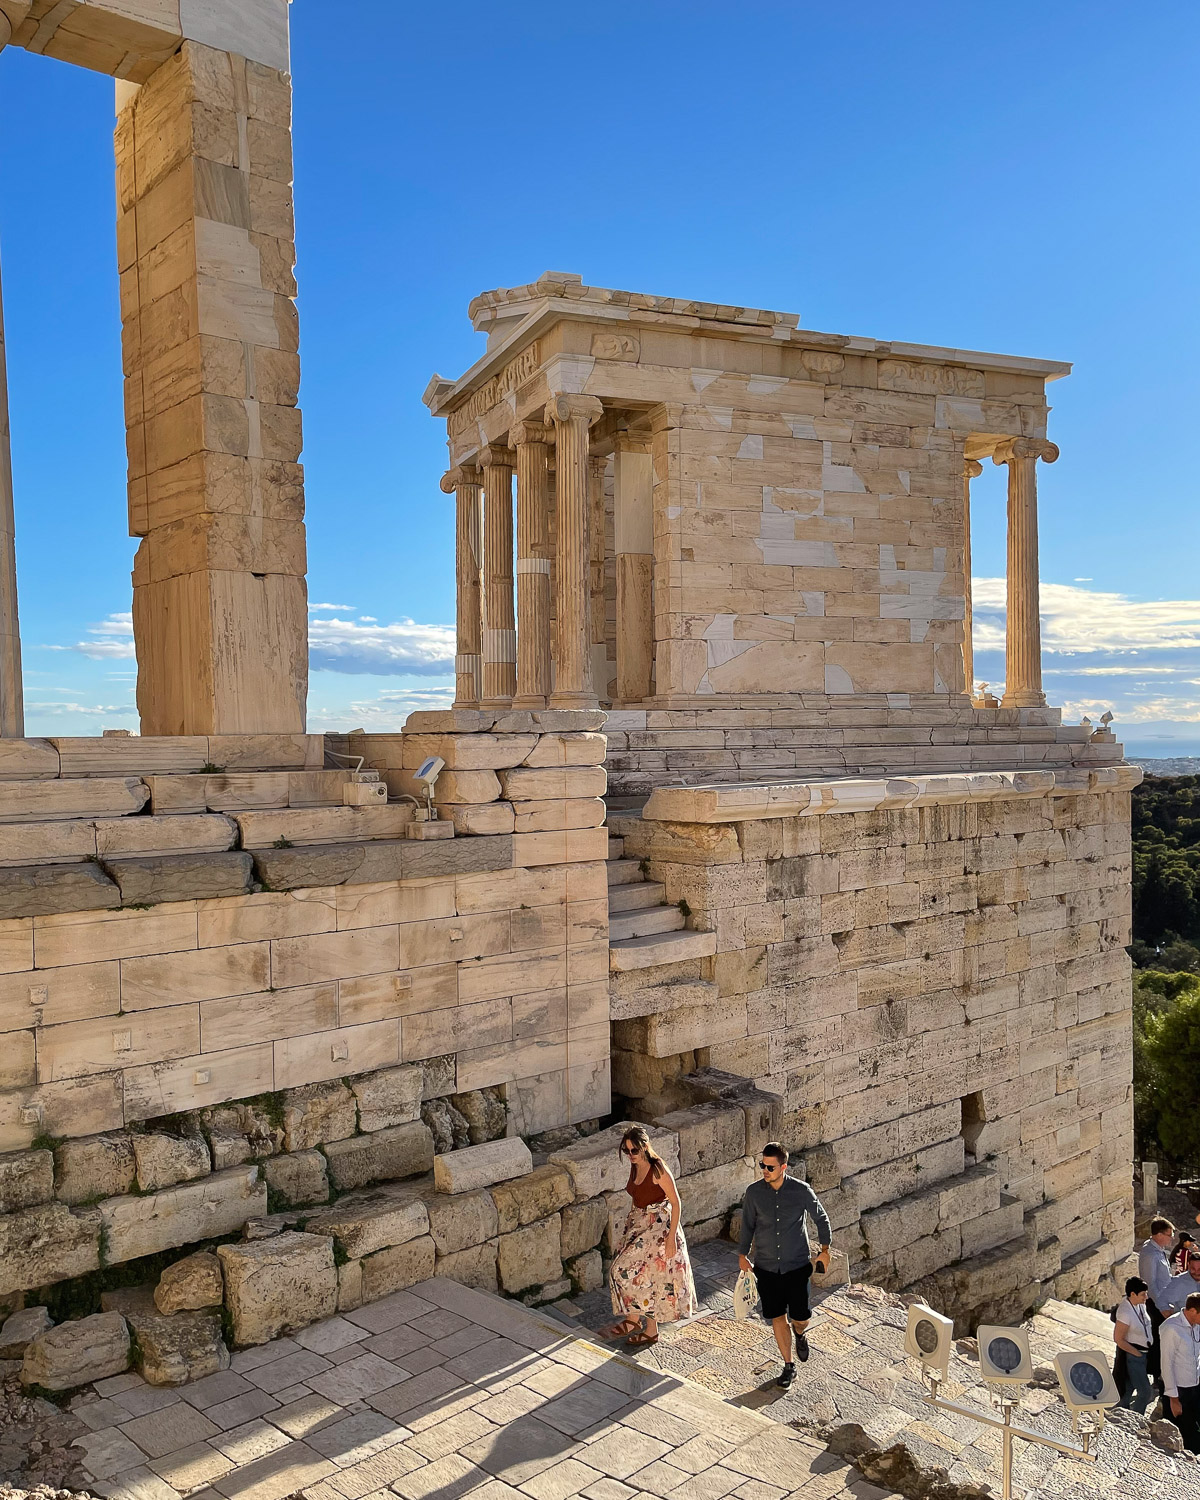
[[1134, 1335], [1184, 1246], [651, 1276], [1154, 1268], [774, 1213], [1179, 1339], [1183, 1286]]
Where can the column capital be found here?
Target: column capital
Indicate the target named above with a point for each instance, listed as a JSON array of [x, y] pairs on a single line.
[[1010, 449], [521, 433], [972, 468], [463, 476], [496, 457], [570, 408]]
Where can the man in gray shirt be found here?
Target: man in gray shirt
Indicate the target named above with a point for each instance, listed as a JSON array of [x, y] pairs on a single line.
[[773, 1222]]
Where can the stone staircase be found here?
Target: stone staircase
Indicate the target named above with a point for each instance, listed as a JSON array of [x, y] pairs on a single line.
[[645, 930]]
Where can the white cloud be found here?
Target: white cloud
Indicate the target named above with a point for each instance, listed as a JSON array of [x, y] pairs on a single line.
[[112, 638], [403, 649], [348, 607], [1089, 620], [385, 712]]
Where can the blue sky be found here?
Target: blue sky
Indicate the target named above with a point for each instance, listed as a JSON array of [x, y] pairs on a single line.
[[1016, 178]]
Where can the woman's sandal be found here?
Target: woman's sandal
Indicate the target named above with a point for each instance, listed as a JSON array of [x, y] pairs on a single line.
[[641, 1339], [617, 1331]]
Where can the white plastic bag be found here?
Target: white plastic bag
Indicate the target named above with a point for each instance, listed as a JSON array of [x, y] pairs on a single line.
[[745, 1295]]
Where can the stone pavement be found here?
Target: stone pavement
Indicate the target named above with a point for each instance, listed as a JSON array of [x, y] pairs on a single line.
[[859, 1374], [443, 1393]]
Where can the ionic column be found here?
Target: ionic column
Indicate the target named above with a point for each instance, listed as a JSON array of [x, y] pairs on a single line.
[[468, 558], [572, 416], [633, 543], [12, 703], [499, 625], [1023, 635], [972, 469], [596, 549], [531, 441]]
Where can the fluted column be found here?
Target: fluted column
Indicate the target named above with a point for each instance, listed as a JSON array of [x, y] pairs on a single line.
[[633, 543], [572, 416], [596, 551], [12, 703], [1023, 634], [532, 443], [499, 624], [972, 469], [463, 483]]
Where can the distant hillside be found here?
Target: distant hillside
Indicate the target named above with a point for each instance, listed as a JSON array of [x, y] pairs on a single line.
[[1166, 865]]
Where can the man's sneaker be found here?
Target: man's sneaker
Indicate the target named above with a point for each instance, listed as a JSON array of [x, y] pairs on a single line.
[[802, 1347], [786, 1375]]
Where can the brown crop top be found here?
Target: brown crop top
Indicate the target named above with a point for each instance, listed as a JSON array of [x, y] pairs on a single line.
[[646, 1192]]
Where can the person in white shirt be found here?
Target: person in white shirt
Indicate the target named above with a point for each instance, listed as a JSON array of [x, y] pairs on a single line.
[[1179, 1339], [1134, 1335]]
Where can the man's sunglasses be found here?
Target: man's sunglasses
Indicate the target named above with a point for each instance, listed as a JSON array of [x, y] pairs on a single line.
[[769, 1166]]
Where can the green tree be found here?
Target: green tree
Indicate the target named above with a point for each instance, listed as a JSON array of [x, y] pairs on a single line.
[[1166, 1048]]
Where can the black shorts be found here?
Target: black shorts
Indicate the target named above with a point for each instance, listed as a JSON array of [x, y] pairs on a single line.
[[785, 1292]]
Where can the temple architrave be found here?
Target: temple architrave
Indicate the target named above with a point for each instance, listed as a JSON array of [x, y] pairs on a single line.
[[724, 838]]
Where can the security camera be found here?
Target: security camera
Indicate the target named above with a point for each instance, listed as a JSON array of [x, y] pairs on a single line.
[[928, 1338], [1004, 1355], [1086, 1381], [426, 775]]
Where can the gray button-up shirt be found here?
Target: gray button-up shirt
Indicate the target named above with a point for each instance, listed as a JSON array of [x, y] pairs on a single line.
[[773, 1222], [1154, 1267]]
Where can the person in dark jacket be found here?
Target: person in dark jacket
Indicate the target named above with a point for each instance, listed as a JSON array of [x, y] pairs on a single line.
[[774, 1213]]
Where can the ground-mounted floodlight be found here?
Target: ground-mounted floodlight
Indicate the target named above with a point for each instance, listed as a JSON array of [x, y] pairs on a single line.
[[426, 775], [1005, 1365]]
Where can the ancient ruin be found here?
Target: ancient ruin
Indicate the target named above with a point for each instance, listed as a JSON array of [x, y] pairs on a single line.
[[725, 839]]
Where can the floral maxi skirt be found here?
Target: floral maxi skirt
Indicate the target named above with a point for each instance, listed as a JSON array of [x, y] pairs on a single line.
[[643, 1280]]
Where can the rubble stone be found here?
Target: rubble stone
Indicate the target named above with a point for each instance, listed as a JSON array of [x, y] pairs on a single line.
[[179, 1348], [26, 1179], [317, 1113], [399, 1266], [297, 1179], [45, 1244], [390, 1097], [21, 1328], [164, 1160], [530, 1257], [583, 1226], [460, 1220], [473, 1266], [181, 877], [449, 1129], [97, 1166], [78, 1352], [586, 1271], [484, 1113], [482, 1166], [278, 1285], [193, 1282], [402, 1151], [364, 1222]]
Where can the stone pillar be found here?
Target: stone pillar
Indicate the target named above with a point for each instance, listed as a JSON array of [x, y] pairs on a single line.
[[499, 624], [463, 482], [972, 469], [12, 702], [1023, 637], [532, 440], [596, 557], [209, 339], [572, 416], [633, 542]]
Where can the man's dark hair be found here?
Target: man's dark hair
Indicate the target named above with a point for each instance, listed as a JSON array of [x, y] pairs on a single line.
[[1134, 1285], [1161, 1226], [1193, 1302], [773, 1148]]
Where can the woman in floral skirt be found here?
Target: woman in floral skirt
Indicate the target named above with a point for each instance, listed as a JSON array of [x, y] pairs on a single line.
[[651, 1275]]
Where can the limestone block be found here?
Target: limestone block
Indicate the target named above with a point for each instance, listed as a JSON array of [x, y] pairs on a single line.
[[181, 1215], [26, 1179], [711, 1193], [534, 785], [525, 1199], [557, 814], [317, 1112], [466, 787], [595, 1164], [178, 1349], [44, 890], [485, 818], [461, 1221], [583, 1226], [483, 1110], [278, 1285], [439, 1076], [838, 1273], [80, 796], [229, 1148], [402, 1151], [163, 1160], [297, 1179], [180, 877], [481, 1166], [308, 866], [586, 1272], [398, 1267], [79, 1352], [530, 1257], [48, 1243], [474, 1266], [365, 1222], [995, 1228], [20, 1329], [671, 1032], [569, 749], [391, 1096], [191, 1283], [469, 752], [350, 1286], [709, 1135]]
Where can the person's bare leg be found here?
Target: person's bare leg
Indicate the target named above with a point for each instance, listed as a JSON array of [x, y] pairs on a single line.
[[783, 1337]]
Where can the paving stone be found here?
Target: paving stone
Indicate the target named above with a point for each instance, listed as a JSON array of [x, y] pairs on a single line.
[[355, 1438], [399, 1400], [213, 1389], [188, 1468], [449, 1478], [520, 1450], [176, 1426], [609, 1489], [243, 1360], [239, 1409], [139, 1484], [250, 1441], [366, 1375], [587, 1404], [141, 1399], [370, 1475], [332, 1334], [389, 1312], [713, 1484], [109, 1452], [561, 1481], [292, 1369], [278, 1474], [661, 1478], [621, 1452], [451, 1435], [398, 1342], [306, 1414]]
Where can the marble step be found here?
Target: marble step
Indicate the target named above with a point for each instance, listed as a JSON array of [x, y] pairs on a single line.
[[637, 896], [634, 924], [624, 872], [616, 848], [659, 948]]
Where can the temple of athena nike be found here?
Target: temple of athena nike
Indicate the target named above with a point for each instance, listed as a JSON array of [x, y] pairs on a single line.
[[726, 841]]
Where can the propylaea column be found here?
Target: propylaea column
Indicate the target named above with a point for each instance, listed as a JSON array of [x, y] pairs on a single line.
[[532, 440], [633, 542], [499, 623], [463, 483], [572, 416], [1023, 634], [972, 469], [12, 701], [597, 465], [209, 337]]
